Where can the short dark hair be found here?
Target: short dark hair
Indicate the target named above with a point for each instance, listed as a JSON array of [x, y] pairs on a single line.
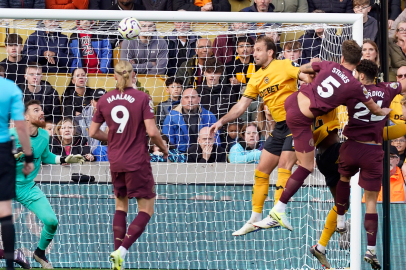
[[212, 65], [13, 39], [270, 45], [368, 68], [33, 65], [172, 80], [245, 39], [352, 52], [31, 102]]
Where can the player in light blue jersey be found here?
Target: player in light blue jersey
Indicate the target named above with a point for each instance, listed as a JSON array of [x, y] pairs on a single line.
[[27, 192], [11, 108]]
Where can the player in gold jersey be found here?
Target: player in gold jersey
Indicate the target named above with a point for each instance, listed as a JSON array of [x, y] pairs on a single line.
[[327, 143], [274, 82]]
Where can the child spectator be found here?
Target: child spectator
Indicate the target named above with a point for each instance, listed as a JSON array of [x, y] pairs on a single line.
[[50, 126], [15, 62], [77, 95], [400, 144], [292, 50], [93, 53], [174, 155], [370, 23], [230, 137], [66, 142], [174, 89], [247, 150]]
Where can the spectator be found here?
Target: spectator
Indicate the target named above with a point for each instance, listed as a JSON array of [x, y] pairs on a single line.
[[266, 124], [50, 127], [90, 52], [230, 137], [83, 120], [241, 67], [396, 115], [66, 142], [201, 5], [164, 5], [101, 4], [260, 6], [147, 54], [66, 4], [2, 71], [15, 63], [215, 96], [206, 151], [183, 123], [331, 6], [123, 5], [275, 36], [394, 24], [174, 89], [48, 48], [311, 43], [247, 149], [400, 144], [224, 46], [370, 24], [370, 52], [394, 9], [292, 50], [35, 88], [174, 154], [291, 6], [22, 4], [77, 95], [397, 50], [180, 48], [397, 180], [191, 71]]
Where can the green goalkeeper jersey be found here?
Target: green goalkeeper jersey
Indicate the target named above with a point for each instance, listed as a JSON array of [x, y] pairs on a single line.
[[40, 150]]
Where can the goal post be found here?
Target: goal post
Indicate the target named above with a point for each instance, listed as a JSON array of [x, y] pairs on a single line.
[[198, 206]]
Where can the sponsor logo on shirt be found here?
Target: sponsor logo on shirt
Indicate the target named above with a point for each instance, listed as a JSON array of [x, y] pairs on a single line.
[[394, 85], [266, 80]]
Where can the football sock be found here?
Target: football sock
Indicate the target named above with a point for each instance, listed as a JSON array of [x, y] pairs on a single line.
[[394, 132], [371, 227], [135, 229], [8, 236], [342, 197], [119, 228], [255, 217], [329, 227], [123, 252], [372, 249], [283, 176], [260, 191], [294, 183], [321, 248], [280, 207], [40, 253]]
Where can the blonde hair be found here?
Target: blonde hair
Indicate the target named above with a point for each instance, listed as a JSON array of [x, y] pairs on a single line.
[[124, 71], [59, 126], [395, 37]]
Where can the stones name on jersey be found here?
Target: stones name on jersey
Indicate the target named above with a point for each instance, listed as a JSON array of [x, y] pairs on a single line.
[[341, 75], [127, 97]]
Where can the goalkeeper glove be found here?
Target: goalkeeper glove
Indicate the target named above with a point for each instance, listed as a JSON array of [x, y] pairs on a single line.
[[73, 159]]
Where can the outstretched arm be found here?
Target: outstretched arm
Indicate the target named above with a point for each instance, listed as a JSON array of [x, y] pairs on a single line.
[[96, 133], [375, 109], [307, 68]]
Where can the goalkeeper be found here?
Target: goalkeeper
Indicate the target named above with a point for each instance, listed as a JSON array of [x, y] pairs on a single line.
[[27, 192]]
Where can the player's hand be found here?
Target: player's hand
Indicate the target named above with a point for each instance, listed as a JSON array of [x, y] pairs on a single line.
[[28, 168], [385, 111], [18, 155], [214, 128], [314, 60], [75, 159]]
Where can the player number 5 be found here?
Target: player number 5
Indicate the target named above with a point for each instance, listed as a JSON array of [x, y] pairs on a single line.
[[328, 84], [123, 120]]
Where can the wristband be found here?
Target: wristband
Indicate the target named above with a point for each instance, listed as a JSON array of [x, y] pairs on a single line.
[[62, 159], [29, 158]]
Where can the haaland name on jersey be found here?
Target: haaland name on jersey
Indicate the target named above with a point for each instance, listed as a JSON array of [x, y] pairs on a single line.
[[129, 98]]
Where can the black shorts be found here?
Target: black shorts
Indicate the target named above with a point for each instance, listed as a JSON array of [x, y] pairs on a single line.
[[327, 163], [280, 140], [7, 172]]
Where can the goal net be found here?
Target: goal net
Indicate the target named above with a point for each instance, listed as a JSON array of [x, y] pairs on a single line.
[[199, 205]]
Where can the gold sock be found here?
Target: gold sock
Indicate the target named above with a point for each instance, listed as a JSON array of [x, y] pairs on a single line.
[[283, 176], [329, 227], [394, 132], [260, 191]]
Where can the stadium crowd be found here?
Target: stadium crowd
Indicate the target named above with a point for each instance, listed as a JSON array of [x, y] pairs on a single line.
[[204, 78]]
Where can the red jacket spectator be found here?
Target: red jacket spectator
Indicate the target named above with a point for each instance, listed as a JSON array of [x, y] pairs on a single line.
[[66, 4]]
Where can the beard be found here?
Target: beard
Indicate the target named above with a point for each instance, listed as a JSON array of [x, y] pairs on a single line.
[[38, 123]]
